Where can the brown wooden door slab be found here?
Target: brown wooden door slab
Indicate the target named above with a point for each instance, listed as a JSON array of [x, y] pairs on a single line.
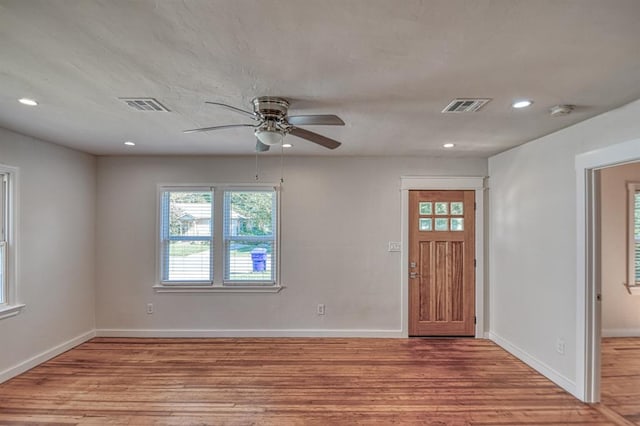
[[441, 263]]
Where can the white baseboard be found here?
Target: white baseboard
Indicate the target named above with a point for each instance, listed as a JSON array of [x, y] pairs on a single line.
[[109, 332], [536, 364], [44, 356], [621, 332]]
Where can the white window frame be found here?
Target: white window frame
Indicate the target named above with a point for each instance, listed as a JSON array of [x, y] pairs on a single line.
[[632, 285], [217, 284], [227, 238], [166, 236], [9, 204]]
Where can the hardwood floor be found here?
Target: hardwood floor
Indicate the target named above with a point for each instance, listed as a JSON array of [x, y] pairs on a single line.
[[620, 385], [109, 381]]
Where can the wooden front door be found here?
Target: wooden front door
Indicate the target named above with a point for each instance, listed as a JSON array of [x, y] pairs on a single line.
[[441, 263]]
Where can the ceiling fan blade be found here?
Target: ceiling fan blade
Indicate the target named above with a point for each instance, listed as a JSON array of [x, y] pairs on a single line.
[[315, 138], [310, 120], [226, 126], [261, 147], [232, 108]]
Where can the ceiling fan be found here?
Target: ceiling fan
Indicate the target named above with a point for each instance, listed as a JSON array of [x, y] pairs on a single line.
[[272, 123]]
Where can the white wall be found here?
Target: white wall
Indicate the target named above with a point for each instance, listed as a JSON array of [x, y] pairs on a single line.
[[620, 310], [533, 240], [56, 250], [338, 215]]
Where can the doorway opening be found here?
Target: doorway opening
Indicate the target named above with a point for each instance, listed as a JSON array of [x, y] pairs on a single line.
[[589, 262], [619, 240]]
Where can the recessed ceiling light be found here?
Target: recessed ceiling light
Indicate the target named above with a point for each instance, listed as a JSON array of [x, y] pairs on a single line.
[[448, 145], [522, 104], [27, 101], [286, 145], [129, 143]]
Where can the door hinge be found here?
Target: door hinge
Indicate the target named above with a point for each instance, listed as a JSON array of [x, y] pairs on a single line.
[[475, 205], [475, 320], [474, 263]]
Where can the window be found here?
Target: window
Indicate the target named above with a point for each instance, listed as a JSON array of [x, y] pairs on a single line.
[[634, 235], [8, 290], [249, 236], [187, 235], [4, 180], [218, 237]]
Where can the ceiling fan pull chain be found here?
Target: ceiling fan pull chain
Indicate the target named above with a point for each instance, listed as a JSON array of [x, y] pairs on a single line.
[[257, 176], [281, 163]]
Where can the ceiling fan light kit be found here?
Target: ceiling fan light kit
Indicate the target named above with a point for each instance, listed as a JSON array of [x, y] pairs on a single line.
[[269, 136], [274, 123]]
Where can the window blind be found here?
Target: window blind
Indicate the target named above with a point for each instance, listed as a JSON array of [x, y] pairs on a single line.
[[3, 239], [250, 236], [187, 235]]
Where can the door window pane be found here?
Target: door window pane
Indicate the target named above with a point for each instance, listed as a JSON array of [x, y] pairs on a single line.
[[426, 208], [441, 209], [457, 208], [425, 224], [442, 224], [457, 224]]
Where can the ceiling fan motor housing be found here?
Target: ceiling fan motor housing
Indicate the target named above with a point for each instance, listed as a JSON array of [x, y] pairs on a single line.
[[270, 108]]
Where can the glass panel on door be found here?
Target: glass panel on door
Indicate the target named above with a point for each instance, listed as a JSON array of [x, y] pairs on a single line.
[[425, 224], [442, 224]]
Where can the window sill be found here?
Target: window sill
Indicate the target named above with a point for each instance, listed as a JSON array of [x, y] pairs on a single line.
[[10, 311], [216, 289], [634, 290]]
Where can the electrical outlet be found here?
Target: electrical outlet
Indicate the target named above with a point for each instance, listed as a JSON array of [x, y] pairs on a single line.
[[560, 346], [395, 246], [321, 309], [149, 308]]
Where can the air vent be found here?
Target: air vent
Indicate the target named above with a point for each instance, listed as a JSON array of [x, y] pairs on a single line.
[[461, 105], [145, 104]]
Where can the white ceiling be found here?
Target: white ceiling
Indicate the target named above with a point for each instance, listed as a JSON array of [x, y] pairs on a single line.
[[387, 68]]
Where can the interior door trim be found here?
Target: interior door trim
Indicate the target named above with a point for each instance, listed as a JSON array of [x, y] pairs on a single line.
[[475, 183]]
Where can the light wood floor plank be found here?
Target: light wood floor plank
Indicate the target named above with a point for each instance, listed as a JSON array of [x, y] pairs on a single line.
[[112, 381], [620, 384]]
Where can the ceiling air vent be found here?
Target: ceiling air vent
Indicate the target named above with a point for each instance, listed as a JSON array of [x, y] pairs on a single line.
[[145, 104], [461, 105]]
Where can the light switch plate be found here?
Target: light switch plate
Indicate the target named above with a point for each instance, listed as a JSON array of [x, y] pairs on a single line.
[[395, 246]]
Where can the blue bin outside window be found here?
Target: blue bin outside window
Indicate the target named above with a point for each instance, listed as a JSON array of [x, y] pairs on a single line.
[[259, 259]]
